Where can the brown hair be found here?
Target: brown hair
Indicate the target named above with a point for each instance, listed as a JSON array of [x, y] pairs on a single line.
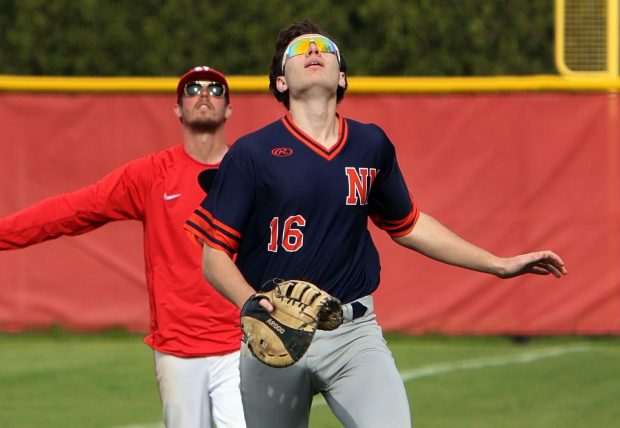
[[284, 38]]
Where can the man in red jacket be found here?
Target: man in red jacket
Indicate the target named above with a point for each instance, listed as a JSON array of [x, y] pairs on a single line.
[[193, 330]]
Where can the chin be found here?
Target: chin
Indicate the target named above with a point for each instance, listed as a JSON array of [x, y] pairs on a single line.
[[206, 125]]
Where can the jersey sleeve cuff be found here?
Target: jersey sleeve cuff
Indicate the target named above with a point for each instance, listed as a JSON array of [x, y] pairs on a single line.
[[401, 227], [203, 228]]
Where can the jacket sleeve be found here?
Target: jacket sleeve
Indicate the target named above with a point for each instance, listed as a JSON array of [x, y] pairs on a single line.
[[117, 196]]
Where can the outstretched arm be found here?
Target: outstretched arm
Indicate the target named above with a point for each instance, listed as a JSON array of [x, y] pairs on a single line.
[[434, 240], [117, 196]]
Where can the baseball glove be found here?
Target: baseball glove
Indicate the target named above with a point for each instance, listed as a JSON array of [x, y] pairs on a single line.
[[282, 337]]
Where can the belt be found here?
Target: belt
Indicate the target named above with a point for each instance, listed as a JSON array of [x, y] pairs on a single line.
[[357, 309]]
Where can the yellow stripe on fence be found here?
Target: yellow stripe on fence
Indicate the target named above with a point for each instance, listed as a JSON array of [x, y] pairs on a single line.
[[357, 84]]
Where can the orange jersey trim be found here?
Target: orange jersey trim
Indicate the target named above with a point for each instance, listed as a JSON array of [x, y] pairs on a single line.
[[398, 228], [343, 133], [218, 223], [204, 229]]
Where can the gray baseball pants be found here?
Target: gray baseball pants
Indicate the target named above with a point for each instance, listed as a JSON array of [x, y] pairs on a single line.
[[351, 367]]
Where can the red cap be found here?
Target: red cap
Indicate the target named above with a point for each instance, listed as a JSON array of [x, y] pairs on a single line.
[[201, 73]]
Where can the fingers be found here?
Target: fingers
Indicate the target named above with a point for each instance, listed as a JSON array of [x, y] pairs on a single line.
[[547, 262], [545, 269], [265, 303], [552, 263]]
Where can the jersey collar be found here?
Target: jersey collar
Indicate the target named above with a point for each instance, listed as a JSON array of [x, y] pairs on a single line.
[[343, 132]]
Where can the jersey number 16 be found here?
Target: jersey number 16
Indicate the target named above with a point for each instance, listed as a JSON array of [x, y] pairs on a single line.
[[292, 236]]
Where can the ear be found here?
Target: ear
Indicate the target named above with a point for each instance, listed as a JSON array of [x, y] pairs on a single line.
[[342, 81], [281, 84], [229, 111], [177, 111]]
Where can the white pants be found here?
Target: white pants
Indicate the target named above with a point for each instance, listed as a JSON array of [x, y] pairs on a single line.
[[195, 391]]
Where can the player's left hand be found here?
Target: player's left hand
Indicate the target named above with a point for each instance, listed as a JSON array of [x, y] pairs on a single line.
[[538, 263]]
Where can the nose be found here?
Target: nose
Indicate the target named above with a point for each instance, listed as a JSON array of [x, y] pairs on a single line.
[[312, 49], [204, 91]]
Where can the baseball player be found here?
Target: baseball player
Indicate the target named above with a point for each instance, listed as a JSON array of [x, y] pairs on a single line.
[[292, 200], [193, 329]]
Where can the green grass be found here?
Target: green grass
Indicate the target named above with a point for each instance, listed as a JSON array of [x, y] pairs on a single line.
[[64, 380], [107, 380]]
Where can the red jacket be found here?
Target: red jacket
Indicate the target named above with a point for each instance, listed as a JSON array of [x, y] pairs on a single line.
[[187, 316]]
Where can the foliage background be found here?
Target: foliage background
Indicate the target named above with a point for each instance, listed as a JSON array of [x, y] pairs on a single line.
[[377, 37]]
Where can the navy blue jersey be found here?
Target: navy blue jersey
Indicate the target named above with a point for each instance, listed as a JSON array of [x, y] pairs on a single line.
[[288, 208]]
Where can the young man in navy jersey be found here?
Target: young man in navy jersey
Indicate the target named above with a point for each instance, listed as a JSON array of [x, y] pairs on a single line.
[[292, 201]]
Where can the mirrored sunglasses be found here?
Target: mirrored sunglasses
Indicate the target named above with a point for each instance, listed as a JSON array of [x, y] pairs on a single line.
[[300, 46], [214, 89]]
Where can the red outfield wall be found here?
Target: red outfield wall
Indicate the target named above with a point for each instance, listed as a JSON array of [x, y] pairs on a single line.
[[510, 172]]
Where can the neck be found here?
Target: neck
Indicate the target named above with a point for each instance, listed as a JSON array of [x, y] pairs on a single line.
[[317, 119], [205, 147]]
